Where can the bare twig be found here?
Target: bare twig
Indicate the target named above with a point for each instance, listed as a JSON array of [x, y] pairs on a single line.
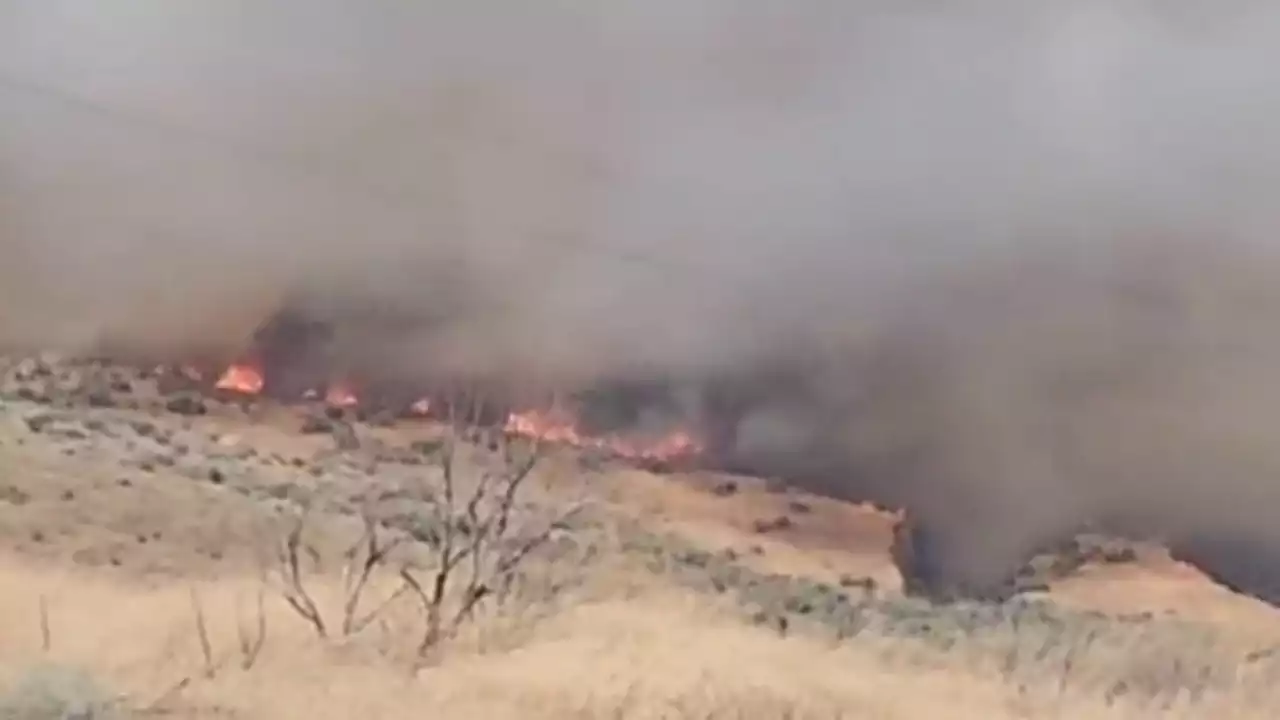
[[46, 636], [359, 624], [492, 555], [295, 594], [202, 634], [251, 647], [375, 554], [478, 540], [210, 669]]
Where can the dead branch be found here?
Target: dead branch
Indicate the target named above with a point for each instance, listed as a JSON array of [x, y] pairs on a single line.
[[363, 559], [375, 554], [209, 669], [359, 624], [492, 550], [251, 647], [46, 635], [510, 563], [202, 634], [478, 539], [295, 594], [424, 646]]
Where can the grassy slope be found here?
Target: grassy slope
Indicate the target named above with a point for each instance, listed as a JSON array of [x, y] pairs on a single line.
[[115, 567]]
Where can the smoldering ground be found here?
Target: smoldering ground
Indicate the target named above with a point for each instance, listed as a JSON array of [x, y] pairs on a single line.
[[1017, 260]]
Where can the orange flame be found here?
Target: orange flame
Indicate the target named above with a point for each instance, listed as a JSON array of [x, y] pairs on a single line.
[[241, 378], [552, 426], [340, 394], [548, 427]]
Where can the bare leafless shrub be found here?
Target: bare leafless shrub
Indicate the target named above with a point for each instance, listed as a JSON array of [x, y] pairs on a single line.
[[369, 553], [481, 543], [475, 536]]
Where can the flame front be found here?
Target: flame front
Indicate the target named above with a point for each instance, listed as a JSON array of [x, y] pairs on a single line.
[[551, 427], [243, 378]]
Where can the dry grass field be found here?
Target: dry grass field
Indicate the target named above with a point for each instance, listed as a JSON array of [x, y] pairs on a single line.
[[656, 654], [140, 580]]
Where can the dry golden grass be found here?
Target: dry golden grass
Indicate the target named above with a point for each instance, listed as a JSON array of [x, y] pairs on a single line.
[[652, 654], [625, 646]]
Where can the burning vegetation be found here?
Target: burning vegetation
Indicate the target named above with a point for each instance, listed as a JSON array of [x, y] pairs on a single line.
[[286, 362], [779, 421]]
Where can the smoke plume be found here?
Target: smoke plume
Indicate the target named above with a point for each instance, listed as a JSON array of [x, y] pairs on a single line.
[[1018, 258]]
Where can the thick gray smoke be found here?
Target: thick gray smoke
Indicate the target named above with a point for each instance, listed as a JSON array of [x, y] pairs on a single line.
[[1025, 252]]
